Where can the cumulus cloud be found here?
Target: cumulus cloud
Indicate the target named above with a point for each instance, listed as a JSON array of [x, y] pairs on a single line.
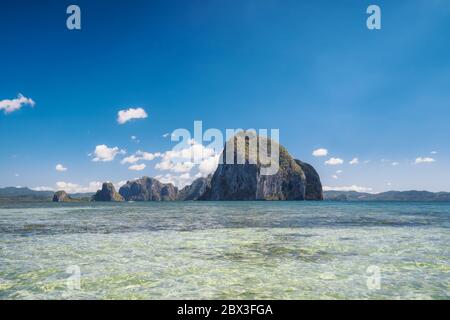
[[321, 152], [104, 153], [177, 167], [354, 161], [147, 156], [119, 184], [209, 165], [351, 188], [60, 168], [69, 187], [42, 188], [132, 113], [137, 167], [181, 167], [334, 161], [130, 159], [424, 160], [177, 180], [178, 161], [9, 106], [140, 156]]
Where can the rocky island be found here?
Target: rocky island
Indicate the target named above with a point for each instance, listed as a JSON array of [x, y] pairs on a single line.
[[295, 180], [62, 196], [107, 193]]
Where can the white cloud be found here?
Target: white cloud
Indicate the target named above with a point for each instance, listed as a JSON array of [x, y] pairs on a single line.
[[42, 188], [147, 155], [335, 177], [137, 167], [395, 163], [133, 137], [334, 161], [321, 152], [182, 160], [76, 188], [182, 167], [209, 165], [177, 167], [339, 172], [180, 164], [140, 155], [351, 188], [119, 184], [104, 153], [132, 113], [177, 180], [130, 159], [424, 160], [9, 106], [354, 161], [60, 168], [164, 165], [433, 152]]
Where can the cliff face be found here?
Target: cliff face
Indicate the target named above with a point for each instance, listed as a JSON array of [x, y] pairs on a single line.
[[196, 190], [313, 185], [148, 189], [245, 181], [107, 193]]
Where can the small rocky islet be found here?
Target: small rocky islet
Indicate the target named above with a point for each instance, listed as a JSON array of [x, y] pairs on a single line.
[[62, 196], [294, 180]]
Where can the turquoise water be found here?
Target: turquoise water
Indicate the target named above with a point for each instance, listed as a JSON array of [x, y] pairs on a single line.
[[224, 250]]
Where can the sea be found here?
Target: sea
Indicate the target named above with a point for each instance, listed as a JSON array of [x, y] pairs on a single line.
[[225, 250]]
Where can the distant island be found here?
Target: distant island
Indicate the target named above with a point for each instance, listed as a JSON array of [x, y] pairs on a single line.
[[23, 194], [295, 180], [411, 195]]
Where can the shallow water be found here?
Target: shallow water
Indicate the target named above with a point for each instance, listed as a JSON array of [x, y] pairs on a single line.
[[225, 250]]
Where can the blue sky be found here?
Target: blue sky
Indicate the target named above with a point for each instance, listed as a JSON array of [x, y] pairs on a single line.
[[310, 68]]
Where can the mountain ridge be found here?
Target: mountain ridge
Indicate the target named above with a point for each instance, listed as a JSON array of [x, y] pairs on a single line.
[[25, 194], [392, 195]]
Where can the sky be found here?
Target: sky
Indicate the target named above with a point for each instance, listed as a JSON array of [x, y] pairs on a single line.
[[369, 109]]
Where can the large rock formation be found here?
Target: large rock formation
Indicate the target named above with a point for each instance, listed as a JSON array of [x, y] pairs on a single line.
[[62, 196], [246, 181], [196, 190], [294, 180], [148, 189], [107, 193], [313, 185]]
